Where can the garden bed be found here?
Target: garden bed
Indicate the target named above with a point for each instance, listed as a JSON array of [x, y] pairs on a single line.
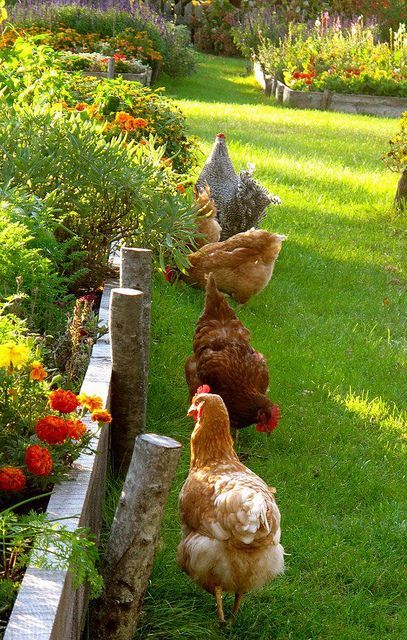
[[47, 606], [144, 78], [383, 106]]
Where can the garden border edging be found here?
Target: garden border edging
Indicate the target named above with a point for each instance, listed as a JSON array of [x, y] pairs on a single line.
[[47, 606], [383, 106]]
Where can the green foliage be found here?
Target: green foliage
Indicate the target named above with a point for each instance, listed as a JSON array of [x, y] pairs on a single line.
[[212, 27], [28, 279], [104, 190], [343, 60], [47, 544], [32, 74], [396, 158]]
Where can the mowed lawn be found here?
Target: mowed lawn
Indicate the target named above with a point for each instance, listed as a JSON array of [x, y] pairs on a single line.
[[332, 326]]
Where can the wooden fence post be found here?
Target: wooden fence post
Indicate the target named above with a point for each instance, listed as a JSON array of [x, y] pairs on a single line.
[[135, 273], [110, 67], [134, 536], [128, 386]]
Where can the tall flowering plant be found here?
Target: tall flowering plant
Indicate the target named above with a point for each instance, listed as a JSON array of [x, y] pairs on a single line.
[[41, 428]]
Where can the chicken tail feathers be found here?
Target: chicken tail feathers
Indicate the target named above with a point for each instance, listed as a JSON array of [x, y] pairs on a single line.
[[215, 302]]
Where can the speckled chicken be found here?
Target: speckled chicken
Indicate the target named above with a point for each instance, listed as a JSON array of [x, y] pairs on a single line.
[[230, 519], [241, 201]]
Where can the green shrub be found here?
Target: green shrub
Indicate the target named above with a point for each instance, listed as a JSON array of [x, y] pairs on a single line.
[[104, 190], [28, 280], [32, 74]]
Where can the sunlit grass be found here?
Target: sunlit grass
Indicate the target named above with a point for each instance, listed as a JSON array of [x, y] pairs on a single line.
[[332, 319]]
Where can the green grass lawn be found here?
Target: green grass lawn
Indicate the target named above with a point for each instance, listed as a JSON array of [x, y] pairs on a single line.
[[331, 326]]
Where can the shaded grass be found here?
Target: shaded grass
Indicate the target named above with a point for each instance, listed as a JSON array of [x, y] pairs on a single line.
[[332, 326]]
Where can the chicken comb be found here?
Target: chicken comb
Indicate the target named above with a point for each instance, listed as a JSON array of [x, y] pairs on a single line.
[[221, 135], [205, 388]]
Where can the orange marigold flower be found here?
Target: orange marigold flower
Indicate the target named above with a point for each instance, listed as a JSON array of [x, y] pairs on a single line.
[[12, 479], [81, 106], [93, 403], [38, 460], [181, 188], [37, 371], [76, 429], [122, 117], [63, 401], [140, 123], [52, 430], [101, 416]]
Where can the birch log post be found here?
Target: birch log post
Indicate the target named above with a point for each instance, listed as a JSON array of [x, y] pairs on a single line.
[[128, 386], [110, 67], [134, 536], [135, 273]]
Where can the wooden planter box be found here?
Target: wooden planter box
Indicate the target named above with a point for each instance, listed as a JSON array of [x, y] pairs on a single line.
[[144, 78], [47, 607], [388, 107]]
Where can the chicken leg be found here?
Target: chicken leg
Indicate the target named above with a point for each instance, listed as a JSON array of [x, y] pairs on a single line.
[[219, 605], [236, 604]]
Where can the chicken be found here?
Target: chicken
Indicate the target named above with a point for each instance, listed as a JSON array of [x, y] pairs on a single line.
[[242, 265], [224, 360], [207, 222], [241, 201], [230, 519]]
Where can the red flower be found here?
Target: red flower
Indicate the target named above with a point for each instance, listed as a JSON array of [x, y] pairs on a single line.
[[12, 479], [63, 401], [52, 429], [38, 460], [76, 429]]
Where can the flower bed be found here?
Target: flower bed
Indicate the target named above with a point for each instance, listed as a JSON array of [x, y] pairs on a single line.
[[372, 105], [48, 606], [329, 57]]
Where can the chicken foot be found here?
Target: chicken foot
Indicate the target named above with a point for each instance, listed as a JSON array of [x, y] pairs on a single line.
[[219, 605]]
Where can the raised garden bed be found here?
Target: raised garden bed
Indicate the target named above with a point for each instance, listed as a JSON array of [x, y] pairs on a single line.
[[47, 606], [144, 78], [388, 107]]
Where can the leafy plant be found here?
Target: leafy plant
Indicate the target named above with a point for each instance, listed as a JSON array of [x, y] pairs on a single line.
[[46, 544]]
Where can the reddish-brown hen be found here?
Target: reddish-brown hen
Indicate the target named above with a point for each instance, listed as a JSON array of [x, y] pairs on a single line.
[[230, 519], [224, 360]]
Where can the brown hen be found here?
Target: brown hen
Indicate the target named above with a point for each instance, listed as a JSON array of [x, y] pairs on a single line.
[[206, 219], [230, 520], [242, 264], [224, 360]]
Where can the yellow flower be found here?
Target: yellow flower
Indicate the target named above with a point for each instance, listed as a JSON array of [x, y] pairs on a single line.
[[93, 403], [13, 355]]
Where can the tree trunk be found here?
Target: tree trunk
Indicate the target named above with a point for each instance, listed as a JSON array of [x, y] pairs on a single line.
[[134, 535], [401, 193], [129, 376]]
